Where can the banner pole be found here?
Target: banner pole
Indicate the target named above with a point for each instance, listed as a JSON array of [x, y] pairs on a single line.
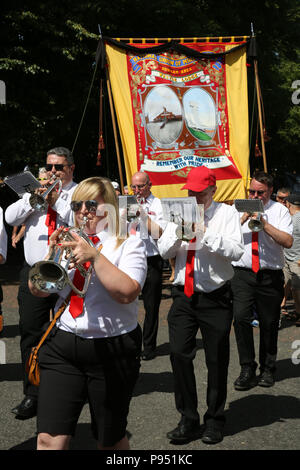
[[258, 96], [260, 116], [115, 131]]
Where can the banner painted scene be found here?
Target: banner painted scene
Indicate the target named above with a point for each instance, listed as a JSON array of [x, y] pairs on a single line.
[[178, 111]]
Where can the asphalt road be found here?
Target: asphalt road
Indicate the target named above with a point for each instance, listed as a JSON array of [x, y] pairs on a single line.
[[258, 419]]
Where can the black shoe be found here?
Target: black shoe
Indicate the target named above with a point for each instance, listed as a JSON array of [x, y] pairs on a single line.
[[26, 409], [147, 356], [212, 435], [266, 379], [247, 378], [185, 432]]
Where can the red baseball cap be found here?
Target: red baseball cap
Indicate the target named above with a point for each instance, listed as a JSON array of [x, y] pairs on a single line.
[[200, 178]]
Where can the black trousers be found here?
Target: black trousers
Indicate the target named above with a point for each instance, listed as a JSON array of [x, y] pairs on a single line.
[[263, 292], [1, 299], [151, 294], [34, 314], [212, 313]]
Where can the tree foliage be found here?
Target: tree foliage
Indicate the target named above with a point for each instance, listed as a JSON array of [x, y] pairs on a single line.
[[48, 65]]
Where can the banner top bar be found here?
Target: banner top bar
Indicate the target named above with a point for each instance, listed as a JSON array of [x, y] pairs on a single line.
[[194, 39]]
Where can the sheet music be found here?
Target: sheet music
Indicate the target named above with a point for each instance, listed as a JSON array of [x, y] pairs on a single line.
[[22, 183], [249, 205], [176, 209]]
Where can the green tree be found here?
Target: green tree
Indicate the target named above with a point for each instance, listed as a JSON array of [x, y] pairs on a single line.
[[48, 65]]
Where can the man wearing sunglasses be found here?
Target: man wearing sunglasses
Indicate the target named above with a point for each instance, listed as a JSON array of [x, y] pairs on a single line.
[[282, 195], [34, 311], [141, 187], [258, 284]]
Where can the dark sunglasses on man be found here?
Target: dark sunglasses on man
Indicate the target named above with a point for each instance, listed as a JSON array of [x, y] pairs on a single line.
[[90, 205], [57, 166], [253, 192]]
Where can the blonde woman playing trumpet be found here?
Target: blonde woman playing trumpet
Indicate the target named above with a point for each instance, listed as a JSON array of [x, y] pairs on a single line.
[[94, 353]]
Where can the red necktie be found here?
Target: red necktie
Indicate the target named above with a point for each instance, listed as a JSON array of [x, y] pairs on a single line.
[[76, 302], [189, 271], [255, 256], [50, 221]]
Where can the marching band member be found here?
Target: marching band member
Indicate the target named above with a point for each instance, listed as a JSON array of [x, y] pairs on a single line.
[[33, 311], [258, 283], [152, 290], [94, 352], [202, 299]]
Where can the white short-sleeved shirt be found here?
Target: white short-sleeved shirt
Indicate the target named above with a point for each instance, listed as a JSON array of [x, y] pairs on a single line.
[[102, 316], [270, 253], [36, 233], [221, 244]]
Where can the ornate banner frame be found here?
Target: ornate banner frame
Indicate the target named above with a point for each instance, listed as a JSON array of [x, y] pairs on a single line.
[[177, 111]]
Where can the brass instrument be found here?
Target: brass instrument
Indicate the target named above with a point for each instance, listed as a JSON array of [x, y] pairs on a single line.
[[38, 201], [251, 206], [52, 275], [255, 225], [184, 230]]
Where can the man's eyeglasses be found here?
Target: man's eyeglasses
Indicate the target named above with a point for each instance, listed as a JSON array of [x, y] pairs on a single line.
[[253, 192], [138, 186], [90, 205], [57, 166]]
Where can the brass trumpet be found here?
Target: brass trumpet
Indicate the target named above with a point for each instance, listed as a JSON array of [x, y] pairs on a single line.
[[255, 225], [52, 275], [38, 201]]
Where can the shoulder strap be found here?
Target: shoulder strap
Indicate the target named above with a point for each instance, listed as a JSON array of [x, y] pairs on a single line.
[[56, 316]]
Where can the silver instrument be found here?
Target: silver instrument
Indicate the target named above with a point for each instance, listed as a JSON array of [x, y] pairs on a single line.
[[52, 275], [38, 201], [255, 225], [252, 206], [186, 214]]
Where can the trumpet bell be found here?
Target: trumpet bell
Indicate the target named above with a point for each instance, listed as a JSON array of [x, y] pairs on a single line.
[[48, 276], [52, 275], [255, 225], [38, 202]]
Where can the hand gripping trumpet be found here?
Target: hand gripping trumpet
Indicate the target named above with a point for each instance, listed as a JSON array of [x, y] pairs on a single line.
[[251, 207], [52, 275], [255, 225], [38, 201]]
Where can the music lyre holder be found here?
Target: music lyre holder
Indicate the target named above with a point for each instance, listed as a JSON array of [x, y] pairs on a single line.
[[249, 205], [22, 183]]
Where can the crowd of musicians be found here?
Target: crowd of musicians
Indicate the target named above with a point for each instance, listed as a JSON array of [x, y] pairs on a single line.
[[224, 274]]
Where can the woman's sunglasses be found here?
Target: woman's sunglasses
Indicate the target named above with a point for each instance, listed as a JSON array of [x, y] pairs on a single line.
[[90, 205]]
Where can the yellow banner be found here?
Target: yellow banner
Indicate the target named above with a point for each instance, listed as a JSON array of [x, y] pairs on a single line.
[[176, 112]]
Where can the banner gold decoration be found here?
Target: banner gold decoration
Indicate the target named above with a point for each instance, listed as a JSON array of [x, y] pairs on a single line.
[[176, 111]]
